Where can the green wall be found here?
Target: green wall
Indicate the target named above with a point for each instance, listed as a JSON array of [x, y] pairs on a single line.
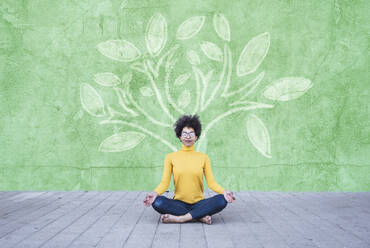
[[281, 88]]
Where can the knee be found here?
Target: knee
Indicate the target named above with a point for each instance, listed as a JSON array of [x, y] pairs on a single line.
[[158, 202], [222, 201]]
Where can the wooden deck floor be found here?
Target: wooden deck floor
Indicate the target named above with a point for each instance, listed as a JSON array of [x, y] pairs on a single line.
[[120, 219]]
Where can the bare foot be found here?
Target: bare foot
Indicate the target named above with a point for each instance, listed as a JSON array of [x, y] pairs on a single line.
[[206, 219], [168, 218]]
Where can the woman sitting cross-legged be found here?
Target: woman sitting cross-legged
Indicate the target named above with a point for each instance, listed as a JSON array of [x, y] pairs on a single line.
[[187, 167]]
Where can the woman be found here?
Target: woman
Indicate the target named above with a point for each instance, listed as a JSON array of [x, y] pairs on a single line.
[[188, 166]]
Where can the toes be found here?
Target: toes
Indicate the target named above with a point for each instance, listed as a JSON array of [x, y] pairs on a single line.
[[164, 217], [206, 219], [209, 219]]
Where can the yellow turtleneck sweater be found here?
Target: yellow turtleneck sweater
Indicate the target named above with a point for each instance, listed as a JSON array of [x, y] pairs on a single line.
[[188, 166]]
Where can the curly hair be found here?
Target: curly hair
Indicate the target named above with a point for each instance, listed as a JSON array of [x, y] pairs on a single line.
[[188, 121]]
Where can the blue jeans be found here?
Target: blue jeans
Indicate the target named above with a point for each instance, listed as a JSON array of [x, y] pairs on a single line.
[[207, 206]]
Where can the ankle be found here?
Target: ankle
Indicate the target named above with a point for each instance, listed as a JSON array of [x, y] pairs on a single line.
[[186, 217]]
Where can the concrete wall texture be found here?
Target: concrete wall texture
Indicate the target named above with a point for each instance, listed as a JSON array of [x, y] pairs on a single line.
[[90, 90]]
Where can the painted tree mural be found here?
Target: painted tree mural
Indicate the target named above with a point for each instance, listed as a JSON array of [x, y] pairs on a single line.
[[211, 85]]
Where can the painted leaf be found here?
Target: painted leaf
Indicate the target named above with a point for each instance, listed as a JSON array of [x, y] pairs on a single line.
[[107, 79], [288, 88], [156, 34], [221, 26], [190, 27], [184, 99], [180, 80], [120, 50], [121, 141], [258, 135], [91, 100], [253, 54], [192, 57], [146, 91], [211, 50]]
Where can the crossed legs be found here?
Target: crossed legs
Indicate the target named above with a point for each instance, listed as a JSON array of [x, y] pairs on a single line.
[[179, 211]]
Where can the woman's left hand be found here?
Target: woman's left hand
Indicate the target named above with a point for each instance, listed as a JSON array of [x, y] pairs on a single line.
[[229, 197]]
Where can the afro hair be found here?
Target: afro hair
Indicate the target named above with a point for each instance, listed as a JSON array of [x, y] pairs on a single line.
[[188, 121]]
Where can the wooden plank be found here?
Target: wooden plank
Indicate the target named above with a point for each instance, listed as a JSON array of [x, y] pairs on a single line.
[[27, 195], [92, 236], [40, 219], [362, 232], [19, 195], [144, 231], [8, 194], [18, 210], [262, 227], [58, 225], [18, 201], [71, 232], [167, 235], [348, 206], [240, 224], [15, 219], [300, 233], [192, 235], [4, 193], [349, 216], [120, 232], [363, 196], [215, 233], [361, 200], [301, 208], [255, 219], [353, 201]]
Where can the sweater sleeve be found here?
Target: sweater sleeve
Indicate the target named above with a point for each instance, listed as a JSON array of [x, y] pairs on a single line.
[[212, 184], [166, 177]]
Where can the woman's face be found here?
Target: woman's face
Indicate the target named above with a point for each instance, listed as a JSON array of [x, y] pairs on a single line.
[[188, 136]]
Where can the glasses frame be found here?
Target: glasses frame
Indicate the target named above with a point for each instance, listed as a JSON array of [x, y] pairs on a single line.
[[191, 134]]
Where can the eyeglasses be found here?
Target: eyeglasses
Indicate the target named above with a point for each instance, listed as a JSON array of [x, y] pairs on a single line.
[[184, 134]]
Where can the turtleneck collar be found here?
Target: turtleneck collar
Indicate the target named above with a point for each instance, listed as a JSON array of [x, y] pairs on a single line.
[[187, 148]]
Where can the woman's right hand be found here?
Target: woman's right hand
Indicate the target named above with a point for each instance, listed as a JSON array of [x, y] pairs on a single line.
[[150, 198]]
